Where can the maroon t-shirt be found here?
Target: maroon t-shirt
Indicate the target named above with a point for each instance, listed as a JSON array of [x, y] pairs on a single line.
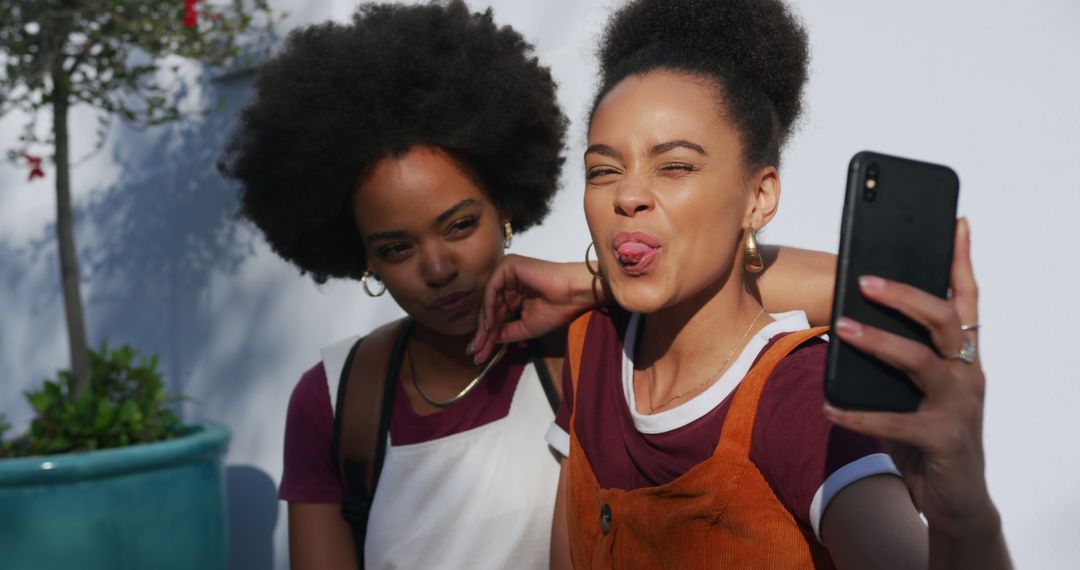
[[793, 445], [309, 473]]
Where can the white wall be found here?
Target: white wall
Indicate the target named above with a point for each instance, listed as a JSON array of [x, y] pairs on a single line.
[[990, 88]]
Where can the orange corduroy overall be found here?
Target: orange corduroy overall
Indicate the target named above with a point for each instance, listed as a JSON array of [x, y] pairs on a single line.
[[719, 514]]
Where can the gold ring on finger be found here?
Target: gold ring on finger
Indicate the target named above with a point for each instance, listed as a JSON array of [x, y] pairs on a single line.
[[967, 353]]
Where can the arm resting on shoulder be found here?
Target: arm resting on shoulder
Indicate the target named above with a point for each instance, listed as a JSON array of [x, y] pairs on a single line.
[[320, 538], [797, 279], [527, 297]]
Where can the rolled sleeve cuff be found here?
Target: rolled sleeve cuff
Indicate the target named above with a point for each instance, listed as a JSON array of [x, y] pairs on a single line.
[[866, 466], [558, 439]]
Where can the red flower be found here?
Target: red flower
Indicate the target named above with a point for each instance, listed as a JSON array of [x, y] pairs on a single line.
[[191, 17], [34, 162]]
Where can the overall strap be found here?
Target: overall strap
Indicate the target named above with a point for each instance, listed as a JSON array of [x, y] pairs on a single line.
[[739, 424], [575, 344], [364, 399]]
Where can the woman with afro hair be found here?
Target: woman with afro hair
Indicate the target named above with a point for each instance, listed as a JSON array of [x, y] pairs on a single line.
[[405, 149], [693, 426]]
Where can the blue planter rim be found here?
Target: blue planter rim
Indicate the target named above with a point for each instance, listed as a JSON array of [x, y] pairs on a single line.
[[207, 440]]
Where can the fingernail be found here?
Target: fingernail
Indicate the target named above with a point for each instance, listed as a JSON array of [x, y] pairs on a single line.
[[848, 327], [871, 284], [469, 350], [829, 411], [963, 227]]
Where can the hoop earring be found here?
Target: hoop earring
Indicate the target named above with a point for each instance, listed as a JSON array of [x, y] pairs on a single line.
[[752, 261], [508, 234], [595, 272], [364, 282]]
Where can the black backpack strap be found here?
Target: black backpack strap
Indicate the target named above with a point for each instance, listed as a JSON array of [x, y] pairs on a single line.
[[542, 371], [339, 400], [364, 401], [546, 354]]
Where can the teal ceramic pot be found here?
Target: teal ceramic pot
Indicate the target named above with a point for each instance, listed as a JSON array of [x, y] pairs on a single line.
[[157, 505]]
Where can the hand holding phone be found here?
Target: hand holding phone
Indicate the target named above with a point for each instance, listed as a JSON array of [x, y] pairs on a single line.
[[937, 448]]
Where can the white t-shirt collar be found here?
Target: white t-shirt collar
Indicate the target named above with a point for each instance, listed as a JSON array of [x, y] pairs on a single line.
[[701, 404]]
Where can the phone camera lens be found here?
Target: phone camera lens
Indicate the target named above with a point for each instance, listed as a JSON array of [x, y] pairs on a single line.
[[871, 183]]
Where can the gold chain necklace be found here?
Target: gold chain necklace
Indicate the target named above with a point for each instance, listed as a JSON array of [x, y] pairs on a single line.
[[464, 391], [711, 378]]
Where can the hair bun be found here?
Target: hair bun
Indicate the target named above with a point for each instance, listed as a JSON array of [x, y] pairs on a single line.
[[754, 45]]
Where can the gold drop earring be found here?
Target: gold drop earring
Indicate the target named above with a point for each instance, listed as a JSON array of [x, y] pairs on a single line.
[[752, 260]]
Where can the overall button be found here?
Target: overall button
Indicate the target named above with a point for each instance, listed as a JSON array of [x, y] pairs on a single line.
[[605, 518]]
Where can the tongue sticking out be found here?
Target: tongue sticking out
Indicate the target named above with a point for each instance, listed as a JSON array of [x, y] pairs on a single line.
[[631, 252]]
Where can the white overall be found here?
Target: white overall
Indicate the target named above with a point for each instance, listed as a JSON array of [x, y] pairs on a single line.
[[483, 498]]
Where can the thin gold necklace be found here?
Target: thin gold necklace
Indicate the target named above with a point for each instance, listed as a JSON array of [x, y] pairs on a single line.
[[712, 377], [464, 391]]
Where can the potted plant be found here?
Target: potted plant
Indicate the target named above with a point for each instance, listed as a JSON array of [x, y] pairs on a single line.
[[112, 478], [117, 462]]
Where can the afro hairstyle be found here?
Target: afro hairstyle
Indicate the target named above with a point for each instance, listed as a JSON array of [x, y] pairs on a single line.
[[755, 51], [339, 98]]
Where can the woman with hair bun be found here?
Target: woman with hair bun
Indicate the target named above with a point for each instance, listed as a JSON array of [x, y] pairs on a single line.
[[693, 425], [405, 149]]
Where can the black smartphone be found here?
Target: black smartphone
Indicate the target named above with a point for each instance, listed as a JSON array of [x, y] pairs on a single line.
[[899, 223]]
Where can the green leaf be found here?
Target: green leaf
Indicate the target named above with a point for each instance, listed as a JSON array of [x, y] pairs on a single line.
[[106, 414], [129, 412], [39, 401], [85, 405], [52, 391]]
